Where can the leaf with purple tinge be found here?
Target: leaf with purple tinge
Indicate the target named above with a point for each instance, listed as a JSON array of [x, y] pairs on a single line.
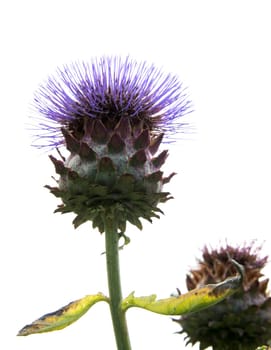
[[63, 317]]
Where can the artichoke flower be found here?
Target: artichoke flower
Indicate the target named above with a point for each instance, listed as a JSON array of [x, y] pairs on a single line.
[[243, 320], [111, 114]]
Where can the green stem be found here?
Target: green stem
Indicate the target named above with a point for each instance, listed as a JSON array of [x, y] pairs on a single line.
[[114, 285]]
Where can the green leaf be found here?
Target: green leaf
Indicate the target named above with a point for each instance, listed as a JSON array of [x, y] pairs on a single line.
[[193, 301], [63, 317]]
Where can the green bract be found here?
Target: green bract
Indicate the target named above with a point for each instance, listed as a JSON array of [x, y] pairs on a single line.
[[111, 172]]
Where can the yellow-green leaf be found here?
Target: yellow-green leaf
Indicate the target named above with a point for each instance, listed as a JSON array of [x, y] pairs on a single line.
[[63, 317], [195, 300]]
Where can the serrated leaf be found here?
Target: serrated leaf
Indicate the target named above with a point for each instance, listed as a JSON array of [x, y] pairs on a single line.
[[63, 317], [193, 301]]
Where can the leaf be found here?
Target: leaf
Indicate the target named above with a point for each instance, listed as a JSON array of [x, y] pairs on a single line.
[[63, 317], [193, 301]]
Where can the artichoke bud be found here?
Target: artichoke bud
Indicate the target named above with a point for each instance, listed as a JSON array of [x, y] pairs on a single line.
[[243, 320]]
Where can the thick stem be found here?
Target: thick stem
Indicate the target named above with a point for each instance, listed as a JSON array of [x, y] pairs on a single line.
[[114, 285]]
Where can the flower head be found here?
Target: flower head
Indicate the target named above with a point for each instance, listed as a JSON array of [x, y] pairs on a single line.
[[111, 115], [109, 89], [241, 322]]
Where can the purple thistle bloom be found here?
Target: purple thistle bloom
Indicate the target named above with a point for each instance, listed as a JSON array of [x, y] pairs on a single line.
[[109, 89], [111, 114]]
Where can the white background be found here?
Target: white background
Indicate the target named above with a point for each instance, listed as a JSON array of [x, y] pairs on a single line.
[[221, 50]]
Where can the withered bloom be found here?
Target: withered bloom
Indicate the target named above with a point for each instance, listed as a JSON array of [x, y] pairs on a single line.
[[111, 114], [240, 322]]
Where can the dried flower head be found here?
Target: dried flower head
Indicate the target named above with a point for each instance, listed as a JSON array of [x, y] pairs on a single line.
[[111, 115], [241, 322]]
